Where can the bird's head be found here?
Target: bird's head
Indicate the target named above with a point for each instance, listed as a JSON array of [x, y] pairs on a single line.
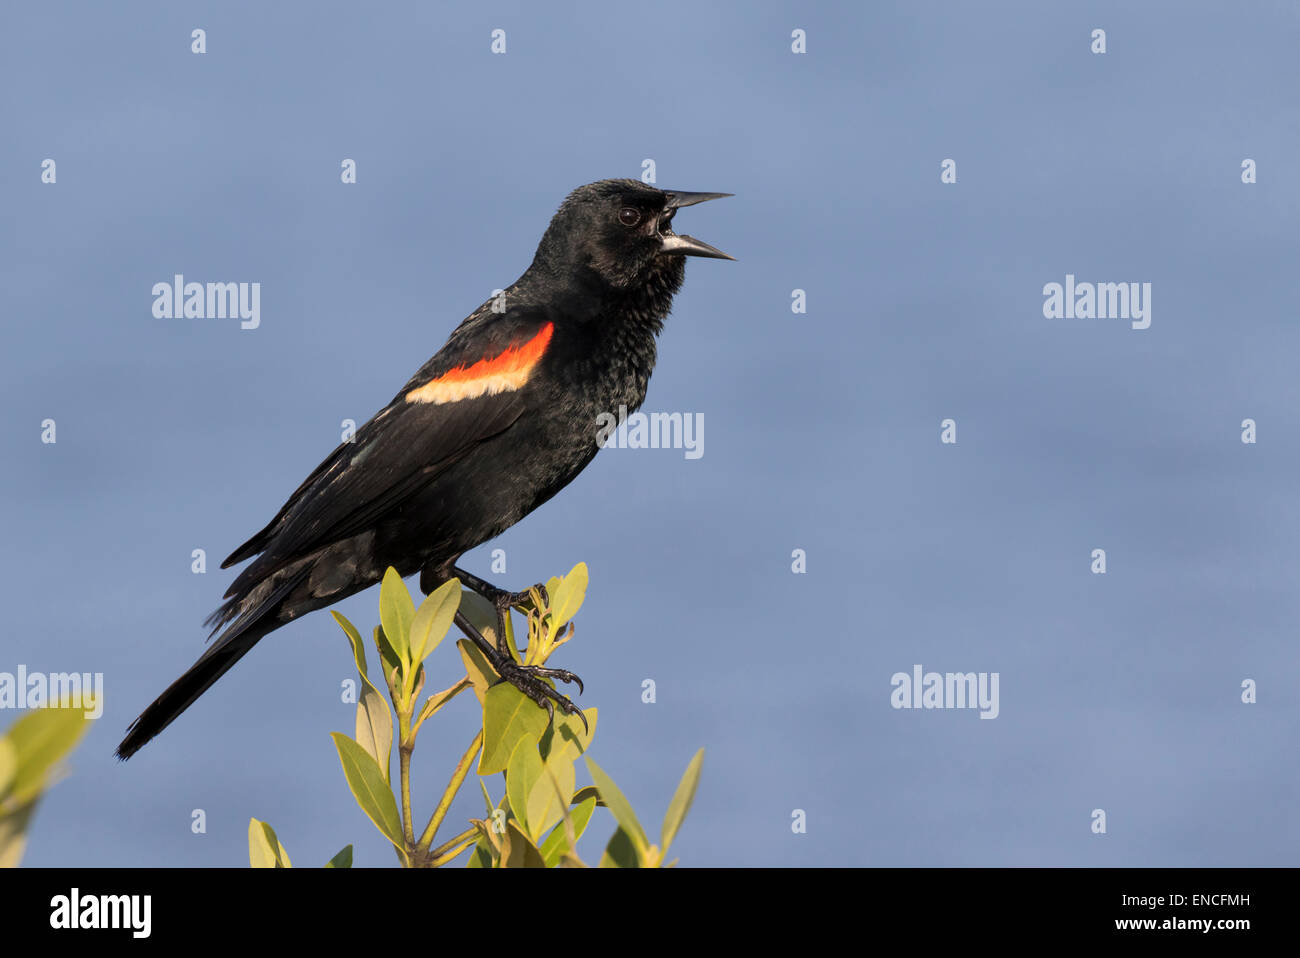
[[622, 230]]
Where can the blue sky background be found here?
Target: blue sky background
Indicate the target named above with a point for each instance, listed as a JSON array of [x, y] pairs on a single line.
[[1119, 692]]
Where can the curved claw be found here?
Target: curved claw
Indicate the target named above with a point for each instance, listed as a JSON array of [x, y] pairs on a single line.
[[586, 729], [528, 679], [563, 675]]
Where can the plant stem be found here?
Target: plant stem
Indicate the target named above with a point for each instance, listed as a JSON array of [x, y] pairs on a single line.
[[436, 702], [449, 850], [405, 746], [457, 779]]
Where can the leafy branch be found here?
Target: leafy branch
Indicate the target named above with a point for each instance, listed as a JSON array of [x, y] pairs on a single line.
[[30, 762], [542, 814]]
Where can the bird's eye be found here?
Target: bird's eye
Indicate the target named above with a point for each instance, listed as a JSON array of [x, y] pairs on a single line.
[[629, 216]]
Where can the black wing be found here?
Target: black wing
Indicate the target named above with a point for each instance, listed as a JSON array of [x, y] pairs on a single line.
[[397, 452]]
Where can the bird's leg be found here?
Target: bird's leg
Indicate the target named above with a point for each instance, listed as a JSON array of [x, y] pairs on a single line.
[[502, 600], [494, 594], [526, 678], [474, 635]]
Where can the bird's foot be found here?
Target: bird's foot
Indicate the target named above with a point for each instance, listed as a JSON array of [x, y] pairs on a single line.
[[498, 596], [523, 601], [528, 679]]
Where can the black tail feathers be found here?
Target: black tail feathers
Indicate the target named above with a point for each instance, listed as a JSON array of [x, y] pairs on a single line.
[[244, 632], [180, 695]]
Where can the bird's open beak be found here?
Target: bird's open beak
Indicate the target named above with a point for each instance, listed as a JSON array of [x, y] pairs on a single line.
[[678, 245]]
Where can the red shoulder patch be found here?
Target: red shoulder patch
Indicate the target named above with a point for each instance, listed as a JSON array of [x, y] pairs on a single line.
[[504, 373]]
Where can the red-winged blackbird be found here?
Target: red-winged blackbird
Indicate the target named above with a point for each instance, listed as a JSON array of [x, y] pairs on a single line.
[[499, 421]]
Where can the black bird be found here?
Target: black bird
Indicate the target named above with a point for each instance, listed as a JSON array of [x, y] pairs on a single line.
[[498, 422]]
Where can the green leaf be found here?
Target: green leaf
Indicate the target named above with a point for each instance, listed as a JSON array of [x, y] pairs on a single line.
[[618, 806], [621, 852], [264, 848], [433, 619], [13, 831], [508, 715], [681, 803], [375, 728], [39, 739], [358, 648], [522, 773], [523, 853], [567, 599], [369, 788], [483, 853], [545, 802], [478, 668], [374, 721], [388, 656], [8, 764], [573, 738], [586, 792], [481, 613], [557, 843], [396, 610], [342, 860]]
